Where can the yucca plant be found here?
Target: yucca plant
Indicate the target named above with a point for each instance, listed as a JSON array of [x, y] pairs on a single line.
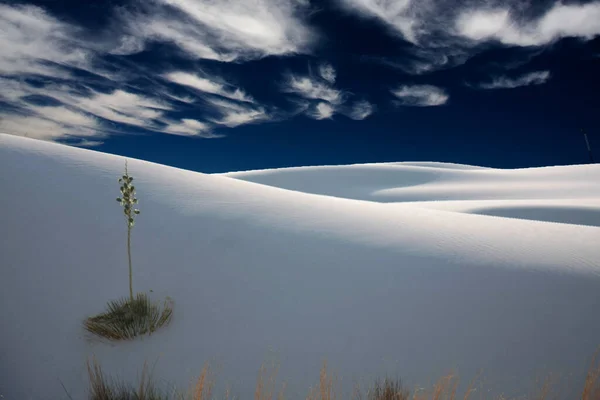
[[129, 317], [128, 200], [125, 319]]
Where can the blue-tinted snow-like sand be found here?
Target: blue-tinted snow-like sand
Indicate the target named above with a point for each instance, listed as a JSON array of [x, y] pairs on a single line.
[[381, 269]]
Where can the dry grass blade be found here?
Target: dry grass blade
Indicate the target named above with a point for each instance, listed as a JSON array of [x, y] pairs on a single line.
[[204, 385], [442, 386], [591, 386], [258, 391], [126, 319], [470, 388], [100, 389], [544, 390], [265, 386], [388, 389], [325, 383], [326, 389], [281, 395], [444, 389], [357, 392]]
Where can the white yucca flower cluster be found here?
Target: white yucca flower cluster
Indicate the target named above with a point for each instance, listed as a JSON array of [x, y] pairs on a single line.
[[128, 199]]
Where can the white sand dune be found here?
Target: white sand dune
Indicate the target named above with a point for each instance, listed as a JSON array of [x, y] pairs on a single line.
[[402, 268], [409, 182]]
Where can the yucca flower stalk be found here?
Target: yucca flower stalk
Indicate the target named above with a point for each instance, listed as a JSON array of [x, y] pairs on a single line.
[[128, 200]]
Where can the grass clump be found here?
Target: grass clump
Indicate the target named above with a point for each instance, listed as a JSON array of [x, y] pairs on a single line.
[[446, 389], [388, 389], [101, 388], [326, 389], [266, 383], [126, 318]]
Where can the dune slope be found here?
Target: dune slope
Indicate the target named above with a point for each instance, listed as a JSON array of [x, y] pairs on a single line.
[[363, 265]]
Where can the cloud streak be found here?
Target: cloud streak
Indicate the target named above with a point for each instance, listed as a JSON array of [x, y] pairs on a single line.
[[33, 42], [225, 30], [327, 72], [232, 114], [312, 88], [420, 95], [361, 110], [208, 85], [504, 82], [444, 34], [36, 127], [321, 111], [320, 99], [399, 15], [190, 127], [580, 20]]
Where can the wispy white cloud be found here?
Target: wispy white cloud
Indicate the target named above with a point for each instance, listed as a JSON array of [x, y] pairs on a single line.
[[232, 114], [421, 95], [13, 90], [423, 60], [38, 127], [126, 45], [310, 87], [66, 116], [78, 113], [327, 72], [399, 15], [87, 143], [417, 20], [225, 30], [574, 20], [445, 34], [208, 85], [238, 108], [120, 106], [504, 82], [190, 127], [319, 99], [33, 42], [321, 111], [361, 110]]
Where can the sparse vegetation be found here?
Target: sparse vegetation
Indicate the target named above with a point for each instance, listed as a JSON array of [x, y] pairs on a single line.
[[386, 389], [446, 388], [266, 383], [326, 389], [103, 388], [591, 388], [129, 317], [126, 319]]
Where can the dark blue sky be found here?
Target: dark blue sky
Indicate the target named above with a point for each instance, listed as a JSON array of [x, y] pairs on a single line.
[[229, 85]]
